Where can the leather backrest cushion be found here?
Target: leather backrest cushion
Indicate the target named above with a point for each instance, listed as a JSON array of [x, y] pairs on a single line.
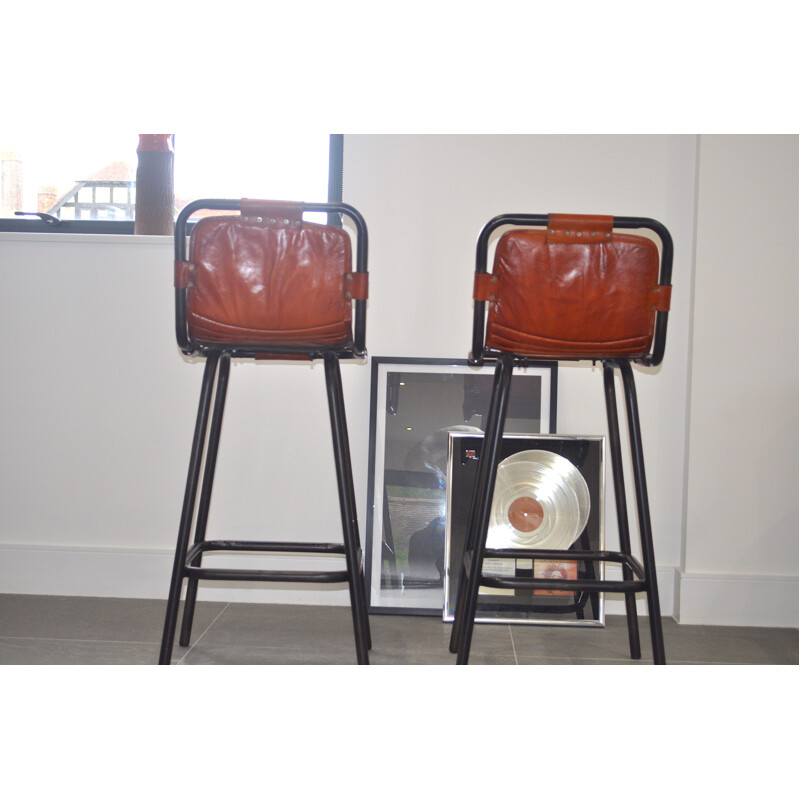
[[254, 282], [573, 300]]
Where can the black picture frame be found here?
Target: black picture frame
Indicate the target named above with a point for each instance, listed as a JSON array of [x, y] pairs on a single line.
[[415, 403]]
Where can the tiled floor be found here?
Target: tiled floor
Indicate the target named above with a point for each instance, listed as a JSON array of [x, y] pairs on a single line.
[[83, 630]]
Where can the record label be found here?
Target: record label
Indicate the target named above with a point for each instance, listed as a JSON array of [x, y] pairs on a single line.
[[525, 514]]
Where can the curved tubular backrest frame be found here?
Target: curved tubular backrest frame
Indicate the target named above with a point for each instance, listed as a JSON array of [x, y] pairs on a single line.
[[181, 231], [540, 220]]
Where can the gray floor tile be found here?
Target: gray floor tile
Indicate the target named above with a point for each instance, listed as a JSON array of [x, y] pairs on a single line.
[[75, 651], [602, 662], [306, 634], [579, 662], [281, 626], [683, 644], [730, 645], [408, 632], [243, 655], [426, 640], [582, 642], [98, 618], [76, 630], [384, 658]]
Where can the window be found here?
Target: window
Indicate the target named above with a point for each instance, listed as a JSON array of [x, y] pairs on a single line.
[[77, 186]]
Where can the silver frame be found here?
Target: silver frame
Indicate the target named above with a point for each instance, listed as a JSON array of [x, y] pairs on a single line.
[[448, 614]]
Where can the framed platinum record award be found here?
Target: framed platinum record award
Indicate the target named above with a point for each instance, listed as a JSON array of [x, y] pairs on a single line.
[[549, 496]]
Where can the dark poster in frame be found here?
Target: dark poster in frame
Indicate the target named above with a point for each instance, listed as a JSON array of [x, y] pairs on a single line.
[[541, 607], [415, 405]]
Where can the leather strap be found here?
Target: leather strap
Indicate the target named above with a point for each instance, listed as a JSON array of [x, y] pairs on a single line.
[[485, 286], [183, 274], [660, 298], [356, 285], [272, 212], [578, 228]]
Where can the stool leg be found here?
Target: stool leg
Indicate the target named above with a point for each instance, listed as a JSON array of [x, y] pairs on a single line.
[[475, 513], [205, 492], [187, 512], [589, 571], [622, 506], [344, 474], [648, 555], [479, 524]]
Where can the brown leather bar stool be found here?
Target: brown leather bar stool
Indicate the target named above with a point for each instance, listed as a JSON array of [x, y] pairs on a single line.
[[569, 288], [265, 284]]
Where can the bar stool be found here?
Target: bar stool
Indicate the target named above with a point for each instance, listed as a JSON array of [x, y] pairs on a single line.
[[265, 284], [569, 287]]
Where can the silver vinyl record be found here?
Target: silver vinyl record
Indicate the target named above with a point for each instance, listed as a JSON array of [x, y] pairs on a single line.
[[541, 500]]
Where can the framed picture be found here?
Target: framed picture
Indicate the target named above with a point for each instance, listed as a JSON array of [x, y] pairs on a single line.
[[552, 488], [415, 405]]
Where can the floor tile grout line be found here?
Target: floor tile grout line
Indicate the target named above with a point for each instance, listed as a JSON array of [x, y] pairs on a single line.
[[513, 646], [207, 629]]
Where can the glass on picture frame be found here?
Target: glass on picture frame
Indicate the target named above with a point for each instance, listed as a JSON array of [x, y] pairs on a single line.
[[415, 405]]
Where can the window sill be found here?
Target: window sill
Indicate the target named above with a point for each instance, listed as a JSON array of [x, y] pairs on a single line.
[[85, 238]]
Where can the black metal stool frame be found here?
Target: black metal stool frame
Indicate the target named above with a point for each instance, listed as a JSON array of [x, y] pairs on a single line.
[[636, 576], [188, 561]]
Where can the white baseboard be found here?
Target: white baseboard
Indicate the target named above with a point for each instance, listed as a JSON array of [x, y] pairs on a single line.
[[694, 599], [768, 601], [615, 603], [122, 572]]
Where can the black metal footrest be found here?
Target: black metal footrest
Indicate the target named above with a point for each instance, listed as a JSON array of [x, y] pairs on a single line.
[[637, 584], [300, 576]]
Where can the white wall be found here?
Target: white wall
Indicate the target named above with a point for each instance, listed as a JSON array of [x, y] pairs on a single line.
[[97, 413], [742, 478]]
